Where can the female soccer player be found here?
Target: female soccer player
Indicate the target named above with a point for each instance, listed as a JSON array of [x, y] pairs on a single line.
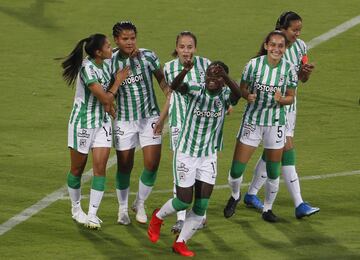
[[137, 113], [290, 24], [186, 43], [195, 158], [268, 83], [89, 124]]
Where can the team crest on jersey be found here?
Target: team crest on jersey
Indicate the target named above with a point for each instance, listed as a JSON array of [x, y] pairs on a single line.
[[218, 104], [281, 80]]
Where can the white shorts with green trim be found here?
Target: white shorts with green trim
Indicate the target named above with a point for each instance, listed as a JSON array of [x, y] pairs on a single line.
[[130, 134], [187, 169], [83, 139], [273, 137]]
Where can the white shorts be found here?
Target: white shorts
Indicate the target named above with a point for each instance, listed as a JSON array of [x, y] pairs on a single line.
[[174, 136], [187, 169], [290, 124], [130, 134], [83, 139], [273, 137]]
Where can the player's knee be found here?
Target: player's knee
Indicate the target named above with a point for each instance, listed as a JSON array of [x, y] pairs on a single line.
[[200, 206], [148, 177], [179, 204], [237, 169], [273, 169]]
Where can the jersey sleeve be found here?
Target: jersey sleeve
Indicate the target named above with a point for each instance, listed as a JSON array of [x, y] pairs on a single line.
[[88, 74], [247, 73], [228, 100], [152, 59], [293, 78]]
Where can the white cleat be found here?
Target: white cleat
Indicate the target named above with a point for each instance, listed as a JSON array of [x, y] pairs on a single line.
[[123, 217], [78, 215], [139, 209], [93, 222]]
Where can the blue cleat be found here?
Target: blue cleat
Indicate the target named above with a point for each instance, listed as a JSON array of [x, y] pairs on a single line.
[[253, 201], [304, 209]]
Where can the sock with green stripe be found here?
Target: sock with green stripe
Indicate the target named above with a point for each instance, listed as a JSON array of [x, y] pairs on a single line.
[[146, 184], [291, 177], [170, 207], [123, 189], [235, 178], [74, 184], [96, 194], [272, 184]]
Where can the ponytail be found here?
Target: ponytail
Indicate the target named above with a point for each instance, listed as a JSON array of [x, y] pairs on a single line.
[[73, 61]]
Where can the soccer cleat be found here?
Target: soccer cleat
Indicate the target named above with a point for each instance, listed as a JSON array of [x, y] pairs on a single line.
[[123, 217], [230, 207], [176, 229], [154, 227], [269, 216], [181, 249], [93, 222], [305, 210], [252, 201], [139, 209], [203, 224], [78, 215]]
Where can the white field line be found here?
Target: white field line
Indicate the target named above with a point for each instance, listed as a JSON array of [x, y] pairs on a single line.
[[54, 196], [226, 186]]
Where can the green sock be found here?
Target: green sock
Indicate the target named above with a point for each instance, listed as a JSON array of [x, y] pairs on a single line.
[[98, 183], [122, 180], [237, 169], [148, 177], [73, 182]]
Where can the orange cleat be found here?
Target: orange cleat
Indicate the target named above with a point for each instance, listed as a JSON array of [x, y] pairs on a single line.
[[154, 227], [181, 249]]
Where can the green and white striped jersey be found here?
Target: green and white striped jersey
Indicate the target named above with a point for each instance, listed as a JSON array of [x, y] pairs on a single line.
[[136, 97], [177, 101], [264, 80], [294, 55], [202, 130], [87, 111]]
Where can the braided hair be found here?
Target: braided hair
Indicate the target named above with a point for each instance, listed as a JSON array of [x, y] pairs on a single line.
[[73, 61], [123, 25], [283, 22]]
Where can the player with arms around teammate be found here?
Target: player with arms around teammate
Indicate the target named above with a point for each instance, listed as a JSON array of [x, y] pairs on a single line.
[[137, 113], [90, 125], [268, 83], [186, 43], [195, 157], [290, 23]]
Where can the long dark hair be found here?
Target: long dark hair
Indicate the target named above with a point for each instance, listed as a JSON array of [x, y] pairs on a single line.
[[73, 61], [184, 33], [262, 50], [284, 20]]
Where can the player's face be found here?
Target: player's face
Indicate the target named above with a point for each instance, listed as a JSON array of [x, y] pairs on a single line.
[[213, 82], [293, 31], [275, 48], [185, 48], [126, 41], [106, 50]]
